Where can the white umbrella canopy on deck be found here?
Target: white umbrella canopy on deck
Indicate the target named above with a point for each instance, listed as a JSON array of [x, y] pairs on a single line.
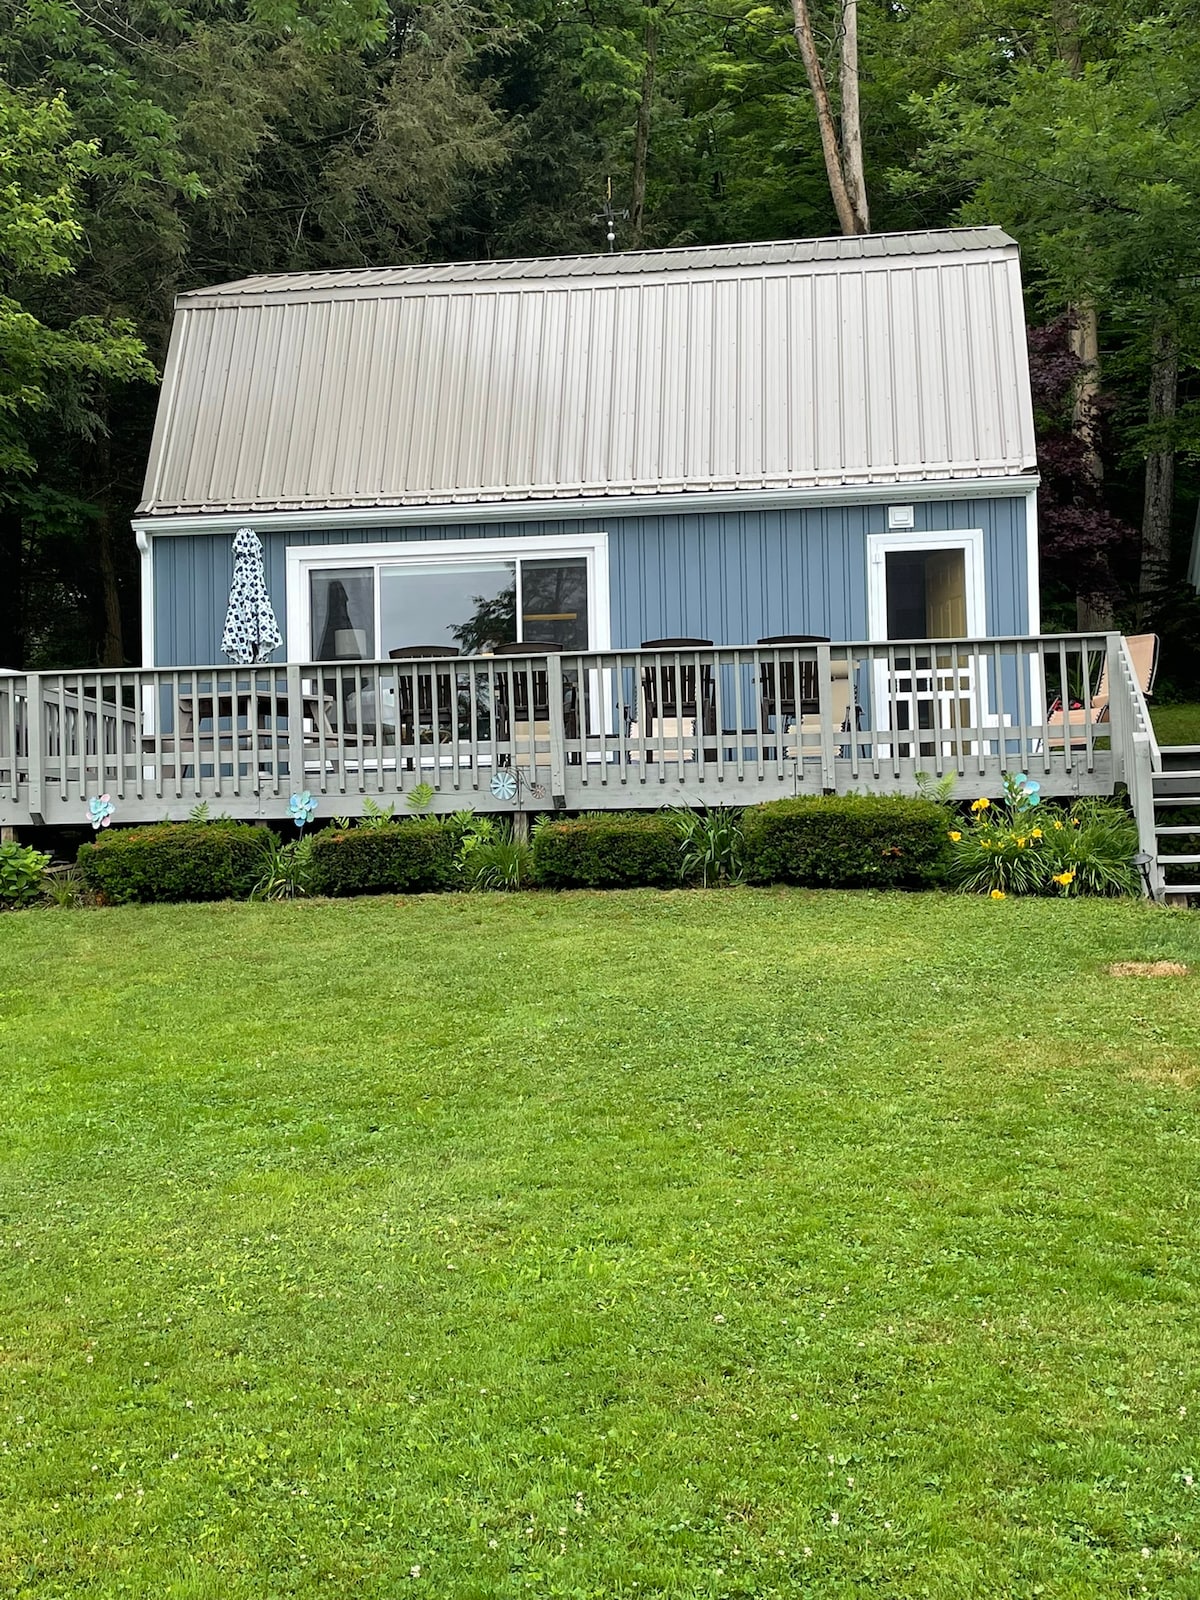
[[251, 631]]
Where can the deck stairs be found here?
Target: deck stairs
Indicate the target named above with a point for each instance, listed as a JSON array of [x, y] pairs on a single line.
[[1177, 792]]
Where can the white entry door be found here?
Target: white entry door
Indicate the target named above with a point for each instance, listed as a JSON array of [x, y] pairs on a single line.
[[922, 589]]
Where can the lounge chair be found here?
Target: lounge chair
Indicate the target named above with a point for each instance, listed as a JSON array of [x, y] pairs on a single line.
[[1143, 653]]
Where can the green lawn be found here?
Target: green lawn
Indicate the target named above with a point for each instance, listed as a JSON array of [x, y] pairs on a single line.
[[690, 1245], [1176, 724]]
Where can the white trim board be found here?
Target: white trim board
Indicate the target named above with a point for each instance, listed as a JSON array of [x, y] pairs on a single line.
[[146, 574], [1033, 568], [307, 558], [968, 540], [595, 507]]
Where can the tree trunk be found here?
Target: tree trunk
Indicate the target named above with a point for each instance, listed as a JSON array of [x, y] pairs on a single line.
[[1160, 463], [112, 642], [12, 588], [641, 132], [842, 203], [1093, 613], [1066, 26], [1084, 341], [852, 149]]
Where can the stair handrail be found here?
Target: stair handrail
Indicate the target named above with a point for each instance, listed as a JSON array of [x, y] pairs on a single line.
[[1136, 747]]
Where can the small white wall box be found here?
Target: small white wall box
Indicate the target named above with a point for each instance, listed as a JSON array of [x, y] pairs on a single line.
[[900, 516]]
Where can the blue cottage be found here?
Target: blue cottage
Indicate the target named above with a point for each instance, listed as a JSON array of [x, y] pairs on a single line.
[[829, 438], [704, 527]]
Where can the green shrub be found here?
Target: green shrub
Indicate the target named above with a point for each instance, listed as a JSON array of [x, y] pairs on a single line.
[[415, 857], [22, 873], [846, 841], [1019, 846], [609, 850], [175, 861]]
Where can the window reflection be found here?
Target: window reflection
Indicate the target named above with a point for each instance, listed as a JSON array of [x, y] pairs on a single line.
[[464, 604], [469, 606], [554, 603], [343, 614]]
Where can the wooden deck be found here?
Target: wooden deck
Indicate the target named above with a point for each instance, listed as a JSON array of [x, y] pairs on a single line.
[[594, 731]]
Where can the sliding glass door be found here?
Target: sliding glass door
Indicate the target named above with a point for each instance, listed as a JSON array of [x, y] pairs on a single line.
[[374, 608]]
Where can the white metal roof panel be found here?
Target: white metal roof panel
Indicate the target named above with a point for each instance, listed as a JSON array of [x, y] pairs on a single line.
[[808, 363]]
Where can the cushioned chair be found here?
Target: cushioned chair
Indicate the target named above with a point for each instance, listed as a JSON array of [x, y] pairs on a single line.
[[528, 720], [1143, 653]]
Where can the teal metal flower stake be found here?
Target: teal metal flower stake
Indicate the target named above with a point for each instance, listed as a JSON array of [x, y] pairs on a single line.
[[302, 808], [1023, 793], [100, 812]]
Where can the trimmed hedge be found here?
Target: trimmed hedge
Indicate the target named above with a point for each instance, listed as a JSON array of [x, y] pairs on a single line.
[[175, 861], [416, 857], [612, 850], [847, 841]]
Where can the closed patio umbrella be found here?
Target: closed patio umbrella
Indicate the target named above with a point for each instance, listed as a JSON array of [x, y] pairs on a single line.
[[251, 631]]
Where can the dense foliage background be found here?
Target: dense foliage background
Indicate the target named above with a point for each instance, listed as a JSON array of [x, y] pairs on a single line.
[[147, 147]]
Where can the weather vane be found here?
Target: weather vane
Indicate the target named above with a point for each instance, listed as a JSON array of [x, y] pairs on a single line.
[[610, 217]]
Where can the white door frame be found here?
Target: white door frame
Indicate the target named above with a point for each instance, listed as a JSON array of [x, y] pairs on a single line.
[[968, 540], [913, 687]]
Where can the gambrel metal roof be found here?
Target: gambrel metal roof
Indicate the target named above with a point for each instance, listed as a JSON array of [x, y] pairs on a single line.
[[892, 358]]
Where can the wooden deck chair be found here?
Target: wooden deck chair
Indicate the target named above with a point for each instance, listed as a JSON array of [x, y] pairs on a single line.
[[1143, 653], [840, 716]]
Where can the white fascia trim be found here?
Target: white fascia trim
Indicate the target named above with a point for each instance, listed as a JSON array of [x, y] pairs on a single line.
[[304, 559], [594, 507], [146, 554]]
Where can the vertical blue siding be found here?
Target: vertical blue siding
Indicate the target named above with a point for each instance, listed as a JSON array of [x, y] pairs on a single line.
[[728, 576]]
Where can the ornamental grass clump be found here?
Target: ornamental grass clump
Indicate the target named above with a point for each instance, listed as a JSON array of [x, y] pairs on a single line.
[[1020, 846]]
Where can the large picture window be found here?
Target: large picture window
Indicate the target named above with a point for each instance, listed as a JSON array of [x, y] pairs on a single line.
[[365, 603]]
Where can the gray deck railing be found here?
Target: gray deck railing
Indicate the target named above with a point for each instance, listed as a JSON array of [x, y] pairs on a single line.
[[577, 730]]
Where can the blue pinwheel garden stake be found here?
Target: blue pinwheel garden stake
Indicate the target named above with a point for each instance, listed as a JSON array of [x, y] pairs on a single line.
[[512, 784], [504, 785], [302, 808], [100, 812]]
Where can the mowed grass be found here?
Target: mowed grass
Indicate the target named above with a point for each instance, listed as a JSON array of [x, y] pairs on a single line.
[[688, 1245], [1176, 724]]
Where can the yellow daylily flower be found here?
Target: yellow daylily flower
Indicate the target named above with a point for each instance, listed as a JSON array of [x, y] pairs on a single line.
[[1064, 878], [1058, 827], [955, 836], [981, 804], [1036, 834], [999, 894]]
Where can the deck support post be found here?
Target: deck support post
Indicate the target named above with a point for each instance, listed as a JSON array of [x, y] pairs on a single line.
[[295, 732], [554, 697], [825, 693], [35, 732]]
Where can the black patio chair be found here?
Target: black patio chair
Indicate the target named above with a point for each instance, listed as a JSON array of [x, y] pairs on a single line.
[[679, 699], [793, 698]]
